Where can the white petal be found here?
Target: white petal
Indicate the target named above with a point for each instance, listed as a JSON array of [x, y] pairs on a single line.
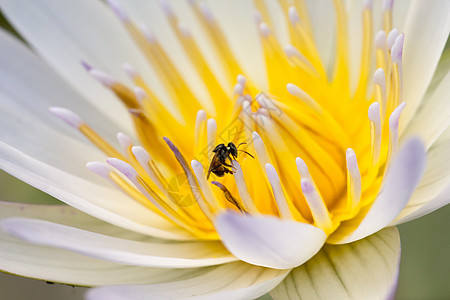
[[29, 85], [146, 254], [63, 38], [235, 17], [151, 14], [27, 88], [269, 241], [230, 281], [106, 204], [58, 265], [323, 24], [66, 215], [426, 30], [402, 178], [433, 117], [435, 181], [412, 213], [366, 269]]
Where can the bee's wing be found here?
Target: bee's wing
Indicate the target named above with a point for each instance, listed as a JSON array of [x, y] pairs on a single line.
[[212, 165]]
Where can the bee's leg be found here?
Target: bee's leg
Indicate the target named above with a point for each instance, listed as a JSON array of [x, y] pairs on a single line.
[[227, 165], [229, 171]]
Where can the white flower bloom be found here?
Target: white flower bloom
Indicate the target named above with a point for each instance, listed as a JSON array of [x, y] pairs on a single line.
[[345, 129]]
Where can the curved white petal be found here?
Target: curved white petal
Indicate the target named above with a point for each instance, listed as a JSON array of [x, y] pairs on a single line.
[[27, 88], [66, 32], [431, 191], [58, 265], [433, 117], [366, 269], [230, 281], [269, 241], [28, 85], [107, 204], [414, 212], [66, 215], [426, 30], [402, 178], [145, 254]]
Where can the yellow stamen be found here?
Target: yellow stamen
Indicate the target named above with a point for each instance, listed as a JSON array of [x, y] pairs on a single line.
[[366, 54], [98, 141]]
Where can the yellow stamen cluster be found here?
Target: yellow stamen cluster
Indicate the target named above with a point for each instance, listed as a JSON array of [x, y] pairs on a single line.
[[321, 149]]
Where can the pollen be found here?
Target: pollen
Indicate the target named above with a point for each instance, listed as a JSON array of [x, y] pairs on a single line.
[[317, 146]]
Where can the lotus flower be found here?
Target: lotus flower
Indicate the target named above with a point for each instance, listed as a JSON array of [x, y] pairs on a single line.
[[341, 135]]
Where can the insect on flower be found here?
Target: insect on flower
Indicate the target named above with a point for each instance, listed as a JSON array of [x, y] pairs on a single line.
[[218, 164], [347, 123]]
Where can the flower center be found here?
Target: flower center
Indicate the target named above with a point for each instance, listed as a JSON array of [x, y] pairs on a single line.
[[321, 147]]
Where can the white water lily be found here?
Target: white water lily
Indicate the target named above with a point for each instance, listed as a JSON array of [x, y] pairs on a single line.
[[338, 155]]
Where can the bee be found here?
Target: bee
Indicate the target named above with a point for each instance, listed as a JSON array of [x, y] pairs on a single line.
[[219, 165]]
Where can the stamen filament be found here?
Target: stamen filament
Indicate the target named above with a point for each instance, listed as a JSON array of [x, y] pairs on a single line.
[[397, 72], [134, 177], [393, 128], [299, 61], [303, 41], [329, 121], [112, 177], [195, 189], [125, 142], [353, 180], [278, 194], [76, 122], [387, 15], [261, 151], [218, 40], [204, 186], [379, 80], [211, 129], [200, 126], [366, 54], [143, 158], [278, 68], [318, 208], [376, 129], [340, 74], [190, 47], [263, 10], [381, 52], [242, 189], [392, 36]]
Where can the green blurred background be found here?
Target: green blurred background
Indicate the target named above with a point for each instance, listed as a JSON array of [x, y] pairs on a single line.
[[424, 270]]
